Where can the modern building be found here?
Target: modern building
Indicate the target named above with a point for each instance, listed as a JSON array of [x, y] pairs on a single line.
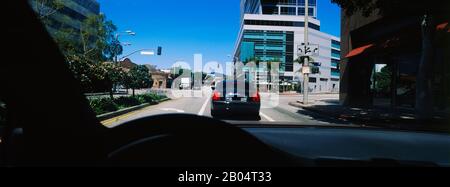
[[68, 16], [273, 30]]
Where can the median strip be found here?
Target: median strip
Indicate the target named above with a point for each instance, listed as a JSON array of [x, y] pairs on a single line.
[[111, 117]]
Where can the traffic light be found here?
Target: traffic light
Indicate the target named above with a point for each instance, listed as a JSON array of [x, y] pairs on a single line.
[[159, 51], [315, 70]]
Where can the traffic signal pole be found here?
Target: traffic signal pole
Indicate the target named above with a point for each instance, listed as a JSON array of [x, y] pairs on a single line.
[[306, 64]]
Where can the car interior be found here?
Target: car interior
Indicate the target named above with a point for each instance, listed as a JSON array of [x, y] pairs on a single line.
[[41, 130]]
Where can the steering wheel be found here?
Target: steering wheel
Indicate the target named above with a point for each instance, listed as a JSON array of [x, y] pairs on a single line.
[[187, 140]]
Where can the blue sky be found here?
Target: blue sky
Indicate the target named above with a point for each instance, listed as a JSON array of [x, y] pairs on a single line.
[[184, 28]]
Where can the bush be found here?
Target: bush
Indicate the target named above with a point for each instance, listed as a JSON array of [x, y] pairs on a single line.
[[128, 101], [151, 98], [103, 105]]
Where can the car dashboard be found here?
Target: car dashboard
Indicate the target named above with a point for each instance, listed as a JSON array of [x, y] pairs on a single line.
[[320, 146]]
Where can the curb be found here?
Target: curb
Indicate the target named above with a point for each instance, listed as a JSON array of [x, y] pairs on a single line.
[[128, 110]]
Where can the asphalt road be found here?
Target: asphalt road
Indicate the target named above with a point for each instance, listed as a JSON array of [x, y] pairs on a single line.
[[275, 109]]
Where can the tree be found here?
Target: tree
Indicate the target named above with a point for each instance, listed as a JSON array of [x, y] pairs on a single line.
[[138, 77], [113, 47], [87, 49], [46, 8], [384, 80], [314, 68], [111, 75], [428, 11]]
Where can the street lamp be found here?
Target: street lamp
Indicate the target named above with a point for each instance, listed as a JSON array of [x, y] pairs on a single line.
[[128, 32], [147, 52], [126, 44]]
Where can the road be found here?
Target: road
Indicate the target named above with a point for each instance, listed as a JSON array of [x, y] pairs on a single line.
[[274, 110]]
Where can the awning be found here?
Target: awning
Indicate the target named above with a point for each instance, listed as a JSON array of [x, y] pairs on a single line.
[[359, 50], [443, 27]]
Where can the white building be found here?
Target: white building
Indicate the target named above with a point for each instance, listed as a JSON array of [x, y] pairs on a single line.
[[273, 30]]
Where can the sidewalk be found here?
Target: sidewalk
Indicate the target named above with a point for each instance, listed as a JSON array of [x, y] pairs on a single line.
[[403, 118]]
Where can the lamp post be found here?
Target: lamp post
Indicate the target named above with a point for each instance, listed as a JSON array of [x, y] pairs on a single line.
[[143, 52], [128, 32]]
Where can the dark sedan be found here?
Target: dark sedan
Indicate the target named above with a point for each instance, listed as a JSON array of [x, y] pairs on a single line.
[[235, 98]]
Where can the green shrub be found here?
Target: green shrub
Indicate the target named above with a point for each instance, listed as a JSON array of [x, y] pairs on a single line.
[[103, 105], [128, 101], [147, 98], [151, 98]]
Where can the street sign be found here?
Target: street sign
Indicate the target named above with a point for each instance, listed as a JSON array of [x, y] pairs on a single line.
[[150, 53], [306, 70], [308, 50]]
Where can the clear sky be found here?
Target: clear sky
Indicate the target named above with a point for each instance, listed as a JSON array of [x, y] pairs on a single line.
[[186, 27]]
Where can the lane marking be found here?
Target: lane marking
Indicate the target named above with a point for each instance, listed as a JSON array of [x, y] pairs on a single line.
[[172, 110], [109, 122], [202, 110], [119, 118], [267, 117]]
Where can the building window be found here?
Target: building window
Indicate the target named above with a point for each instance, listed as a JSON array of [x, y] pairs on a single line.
[[270, 9], [281, 23], [335, 72], [335, 53], [288, 11], [335, 44], [287, 2], [301, 11], [335, 63], [310, 2], [312, 80]]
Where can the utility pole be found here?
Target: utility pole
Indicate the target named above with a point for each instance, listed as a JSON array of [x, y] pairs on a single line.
[[306, 64]]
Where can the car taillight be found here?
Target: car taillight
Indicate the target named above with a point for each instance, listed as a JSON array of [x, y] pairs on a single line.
[[256, 97], [216, 96]]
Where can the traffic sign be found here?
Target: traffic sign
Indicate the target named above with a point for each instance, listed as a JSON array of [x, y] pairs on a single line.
[[306, 70], [308, 50]]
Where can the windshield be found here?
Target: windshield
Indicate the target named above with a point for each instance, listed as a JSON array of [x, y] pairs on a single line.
[[262, 62]]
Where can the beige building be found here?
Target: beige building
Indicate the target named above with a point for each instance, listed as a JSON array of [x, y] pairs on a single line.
[[159, 77]]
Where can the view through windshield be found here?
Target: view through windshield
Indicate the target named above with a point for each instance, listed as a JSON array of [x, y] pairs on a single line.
[[260, 61]]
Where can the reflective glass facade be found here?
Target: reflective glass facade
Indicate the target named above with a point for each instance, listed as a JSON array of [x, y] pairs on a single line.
[[283, 7], [72, 14], [269, 46], [274, 31]]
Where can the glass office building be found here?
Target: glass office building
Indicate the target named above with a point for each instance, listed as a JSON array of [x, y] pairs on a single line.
[[71, 14], [272, 31]]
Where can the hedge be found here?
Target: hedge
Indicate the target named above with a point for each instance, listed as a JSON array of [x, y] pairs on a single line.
[[106, 105]]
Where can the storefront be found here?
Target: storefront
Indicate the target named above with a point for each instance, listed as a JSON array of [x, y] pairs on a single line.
[[384, 62]]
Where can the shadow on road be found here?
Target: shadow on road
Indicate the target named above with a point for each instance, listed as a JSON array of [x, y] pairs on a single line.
[[331, 101], [323, 118]]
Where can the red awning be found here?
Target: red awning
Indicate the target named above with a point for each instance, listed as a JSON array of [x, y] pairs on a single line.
[[359, 50], [443, 27]]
